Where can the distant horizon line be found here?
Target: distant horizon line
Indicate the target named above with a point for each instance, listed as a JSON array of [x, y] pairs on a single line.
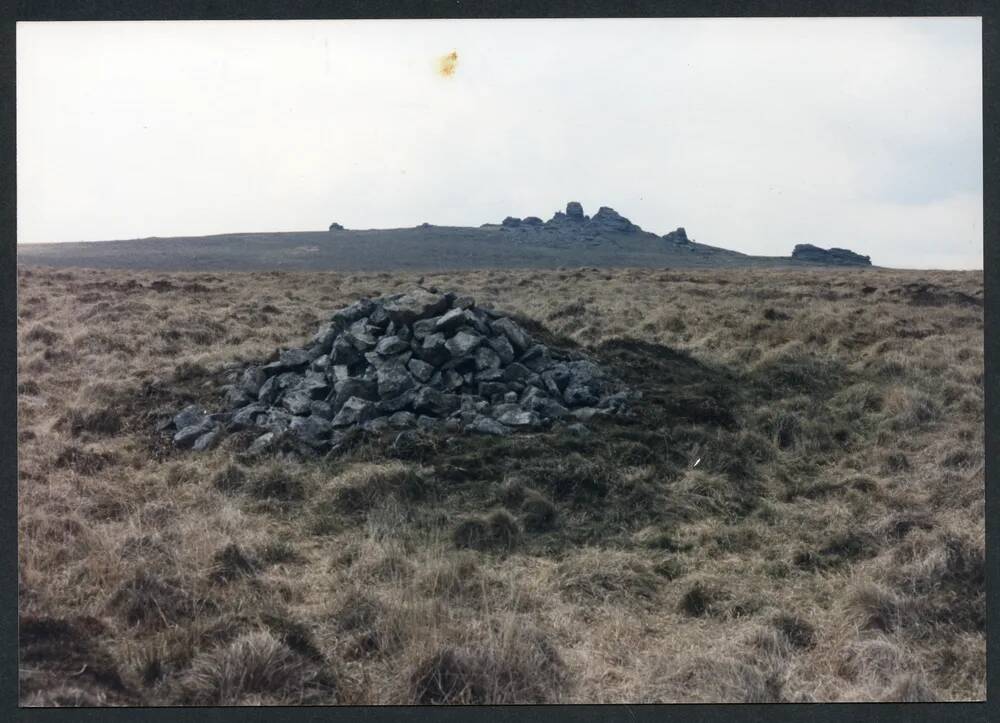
[[401, 228]]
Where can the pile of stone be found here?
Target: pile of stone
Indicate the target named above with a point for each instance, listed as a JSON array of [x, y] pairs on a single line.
[[416, 360]]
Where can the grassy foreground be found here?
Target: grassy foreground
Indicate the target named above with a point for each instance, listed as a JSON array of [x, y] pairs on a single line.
[[796, 514]]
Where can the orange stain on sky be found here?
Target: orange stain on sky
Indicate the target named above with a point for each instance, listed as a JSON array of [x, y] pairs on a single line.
[[447, 64]]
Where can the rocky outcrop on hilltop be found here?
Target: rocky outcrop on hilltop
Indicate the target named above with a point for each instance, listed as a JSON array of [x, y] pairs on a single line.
[[420, 359], [607, 219], [575, 221], [835, 256], [679, 237]]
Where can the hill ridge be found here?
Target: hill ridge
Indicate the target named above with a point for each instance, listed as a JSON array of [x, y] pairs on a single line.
[[570, 239]]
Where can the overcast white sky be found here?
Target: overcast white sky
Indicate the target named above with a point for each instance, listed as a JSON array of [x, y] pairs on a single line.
[[754, 134]]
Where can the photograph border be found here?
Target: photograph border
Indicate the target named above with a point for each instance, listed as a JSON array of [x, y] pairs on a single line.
[[50, 10]]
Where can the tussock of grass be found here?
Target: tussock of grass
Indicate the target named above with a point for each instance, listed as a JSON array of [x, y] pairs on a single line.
[[147, 601], [739, 681], [798, 632], [910, 688], [518, 665], [372, 628], [98, 422], [875, 661], [794, 370], [573, 477], [232, 563], [538, 513], [275, 482], [83, 460], [498, 531], [591, 577], [839, 549], [452, 579], [255, 668], [231, 478], [703, 599]]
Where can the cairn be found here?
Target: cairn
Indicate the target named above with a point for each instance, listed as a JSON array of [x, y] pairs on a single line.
[[416, 360]]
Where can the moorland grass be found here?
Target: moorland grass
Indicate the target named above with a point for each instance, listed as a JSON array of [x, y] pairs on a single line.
[[794, 514]]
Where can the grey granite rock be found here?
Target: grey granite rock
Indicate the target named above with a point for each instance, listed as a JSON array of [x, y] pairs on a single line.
[[191, 415], [263, 444], [247, 416], [353, 412], [314, 431], [393, 380], [297, 401], [208, 440], [415, 305], [354, 387], [402, 420], [463, 343], [484, 425], [421, 370], [518, 338], [349, 314], [391, 345], [187, 436], [434, 349]]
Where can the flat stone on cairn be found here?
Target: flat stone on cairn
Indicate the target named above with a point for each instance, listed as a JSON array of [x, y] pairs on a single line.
[[418, 359]]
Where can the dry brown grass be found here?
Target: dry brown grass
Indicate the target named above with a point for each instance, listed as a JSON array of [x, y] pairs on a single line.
[[827, 547]]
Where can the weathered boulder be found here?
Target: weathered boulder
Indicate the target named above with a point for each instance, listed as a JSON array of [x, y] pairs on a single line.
[[359, 387], [191, 415], [463, 344], [246, 417], [517, 337], [297, 401], [361, 336], [398, 403], [451, 320], [513, 416], [421, 370], [434, 349], [484, 425], [393, 380], [360, 309], [263, 444], [277, 421], [236, 397], [208, 440], [390, 345], [402, 420], [314, 431], [354, 411], [187, 436], [678, 237], [433, 402], [342, 352], [251, 379], [833, 256], [417, 304]]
